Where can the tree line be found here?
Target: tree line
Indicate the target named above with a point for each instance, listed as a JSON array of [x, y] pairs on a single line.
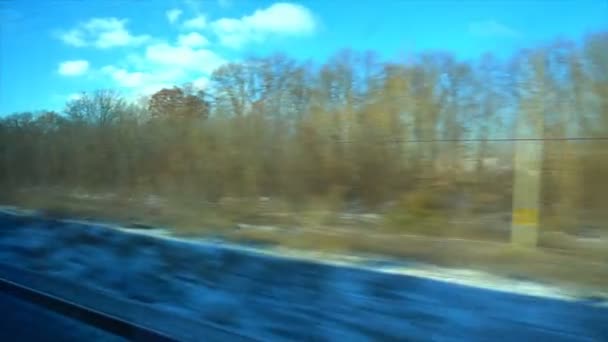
[[281, 127]]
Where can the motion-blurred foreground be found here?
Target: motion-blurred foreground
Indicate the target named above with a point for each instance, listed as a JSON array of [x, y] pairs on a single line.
[[186, 288]]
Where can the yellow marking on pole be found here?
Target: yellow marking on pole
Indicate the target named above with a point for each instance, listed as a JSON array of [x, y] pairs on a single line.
[[525, 217]]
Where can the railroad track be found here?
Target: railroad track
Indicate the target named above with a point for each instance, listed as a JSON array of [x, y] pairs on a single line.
[[89, 316], [128, 324]]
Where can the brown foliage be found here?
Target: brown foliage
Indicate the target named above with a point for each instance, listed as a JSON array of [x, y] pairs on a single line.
[[290, 130]]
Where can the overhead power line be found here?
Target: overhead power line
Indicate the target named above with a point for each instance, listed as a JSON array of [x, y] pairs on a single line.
[[391, 141]]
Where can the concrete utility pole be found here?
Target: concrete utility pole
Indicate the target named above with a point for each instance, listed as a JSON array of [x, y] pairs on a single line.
[[526, 193], [528, 158]]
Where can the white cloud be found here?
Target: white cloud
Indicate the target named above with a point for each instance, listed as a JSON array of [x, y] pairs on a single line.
[[102, 33], [279, 19], [143, 83], [74, 96], [491, 28], [201, 83], [154, 66], [163, 65], [74, 38], [198, 22], [192, 39], [185, 57], [173, 15], [123, 77], [73, 68], [283, 18]]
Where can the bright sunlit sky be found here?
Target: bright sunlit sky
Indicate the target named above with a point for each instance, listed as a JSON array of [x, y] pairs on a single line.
[[52, 50]]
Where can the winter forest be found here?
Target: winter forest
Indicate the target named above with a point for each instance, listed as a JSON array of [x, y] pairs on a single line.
[[424, 138]]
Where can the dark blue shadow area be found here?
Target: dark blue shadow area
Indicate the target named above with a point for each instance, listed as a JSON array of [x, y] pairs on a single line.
[[24, 321]]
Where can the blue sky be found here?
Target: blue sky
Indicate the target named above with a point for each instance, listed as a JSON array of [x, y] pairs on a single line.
[[52, 50]]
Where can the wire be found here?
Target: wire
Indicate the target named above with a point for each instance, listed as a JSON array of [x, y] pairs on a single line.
[[484, 140]]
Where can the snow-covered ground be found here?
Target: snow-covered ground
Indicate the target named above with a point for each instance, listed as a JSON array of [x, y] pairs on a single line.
[[277, 294]]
